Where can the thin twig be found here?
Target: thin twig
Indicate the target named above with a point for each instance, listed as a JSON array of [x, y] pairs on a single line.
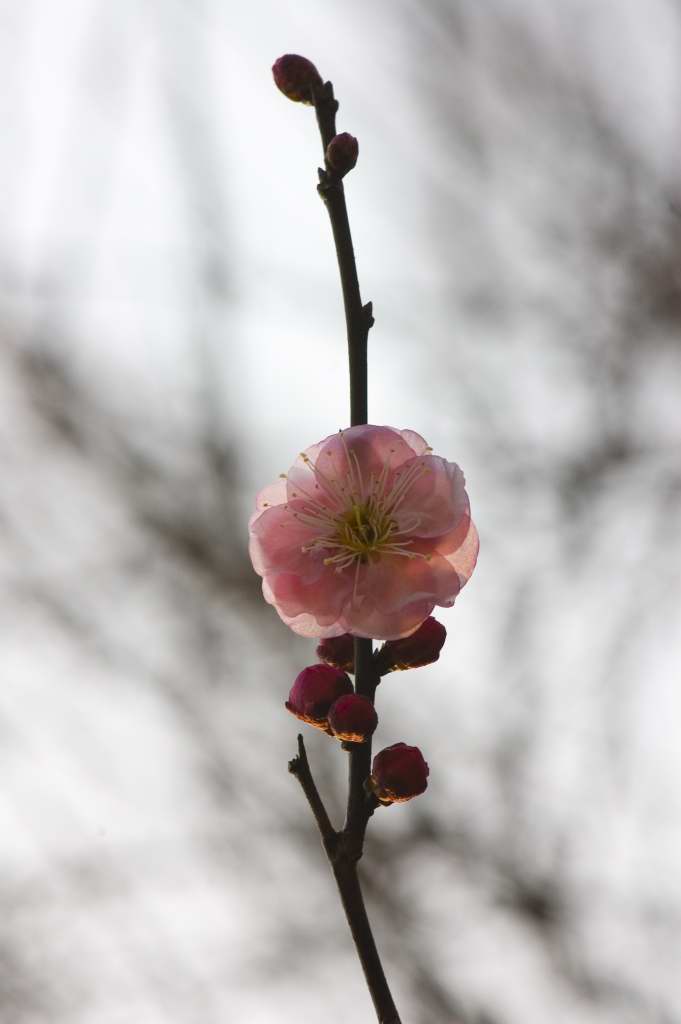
[[358, 318], [300, 767]]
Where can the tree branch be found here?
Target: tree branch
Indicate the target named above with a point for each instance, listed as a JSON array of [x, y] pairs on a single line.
[[300, 767], [358, 318], [361, 805]]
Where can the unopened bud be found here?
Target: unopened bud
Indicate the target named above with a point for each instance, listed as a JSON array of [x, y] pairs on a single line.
[[338, 651], [421, 648], [314, 691], [352, 718], [296, 77], [398, 773], [341, 153]]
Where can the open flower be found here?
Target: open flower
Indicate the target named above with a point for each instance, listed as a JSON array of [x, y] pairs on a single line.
[[366, 533]]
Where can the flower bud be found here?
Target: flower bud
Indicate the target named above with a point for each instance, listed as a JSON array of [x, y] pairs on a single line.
[[341, 153], [314, 691], [296, 77], [338, 651], [398, 773], [352, 718], [421, 648]]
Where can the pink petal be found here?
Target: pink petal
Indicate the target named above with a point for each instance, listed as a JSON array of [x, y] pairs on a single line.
[[276, 543], [394, 582], [304, 624], [270, 496], [369, 621], [464, 557], [322, 598], [304, 483], [418, 444], [435, 502], [372, 447]]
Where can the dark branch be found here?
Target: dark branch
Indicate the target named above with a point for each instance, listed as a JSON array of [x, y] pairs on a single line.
[[344, 849], [360, 804], [358, 318], [300, 767]]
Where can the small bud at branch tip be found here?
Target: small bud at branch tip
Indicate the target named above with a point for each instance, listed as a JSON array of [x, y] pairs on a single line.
[[296, 77]]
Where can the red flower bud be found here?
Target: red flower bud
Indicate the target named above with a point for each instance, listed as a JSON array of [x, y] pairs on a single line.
[[338, 651], [352, 718], [421, 648], [398, 774], [341, 153], [296, 77], [314, 691]]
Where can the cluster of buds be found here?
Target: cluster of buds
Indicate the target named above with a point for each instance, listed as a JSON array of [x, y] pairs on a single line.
[[415, 651], [324, 697]]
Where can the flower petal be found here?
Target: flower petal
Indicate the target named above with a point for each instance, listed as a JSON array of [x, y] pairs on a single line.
[[270, 496], [277, 541], [322, 598], [435, 501], [304, 624], [366, 620], [464, 557], [305, 481], [417, 443], [349, 458]]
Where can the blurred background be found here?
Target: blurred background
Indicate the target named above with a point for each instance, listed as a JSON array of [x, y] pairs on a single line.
[[171, 337]]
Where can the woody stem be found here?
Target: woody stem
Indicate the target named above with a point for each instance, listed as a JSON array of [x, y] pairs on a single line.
[[358, 320]]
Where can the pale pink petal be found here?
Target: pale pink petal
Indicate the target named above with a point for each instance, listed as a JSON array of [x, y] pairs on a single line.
[[395, 582], [361, 451], [277, 541], [436, 500], [270, 496], [323, 598], [417, 443], [447, 542], [304, 624], [463, 559], [366, 619], [303, 481]]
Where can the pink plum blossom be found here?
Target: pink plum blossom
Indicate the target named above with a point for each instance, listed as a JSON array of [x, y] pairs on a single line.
[[365, 534]]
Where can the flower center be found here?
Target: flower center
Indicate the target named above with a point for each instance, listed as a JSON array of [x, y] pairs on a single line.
[[358, 525], [365, 529]]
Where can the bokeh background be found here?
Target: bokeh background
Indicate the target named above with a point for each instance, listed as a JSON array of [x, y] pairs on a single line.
[[171, 336]]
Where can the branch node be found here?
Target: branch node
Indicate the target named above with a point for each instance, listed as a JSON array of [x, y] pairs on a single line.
[[323, 97], [328, 183], [368, 311]]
